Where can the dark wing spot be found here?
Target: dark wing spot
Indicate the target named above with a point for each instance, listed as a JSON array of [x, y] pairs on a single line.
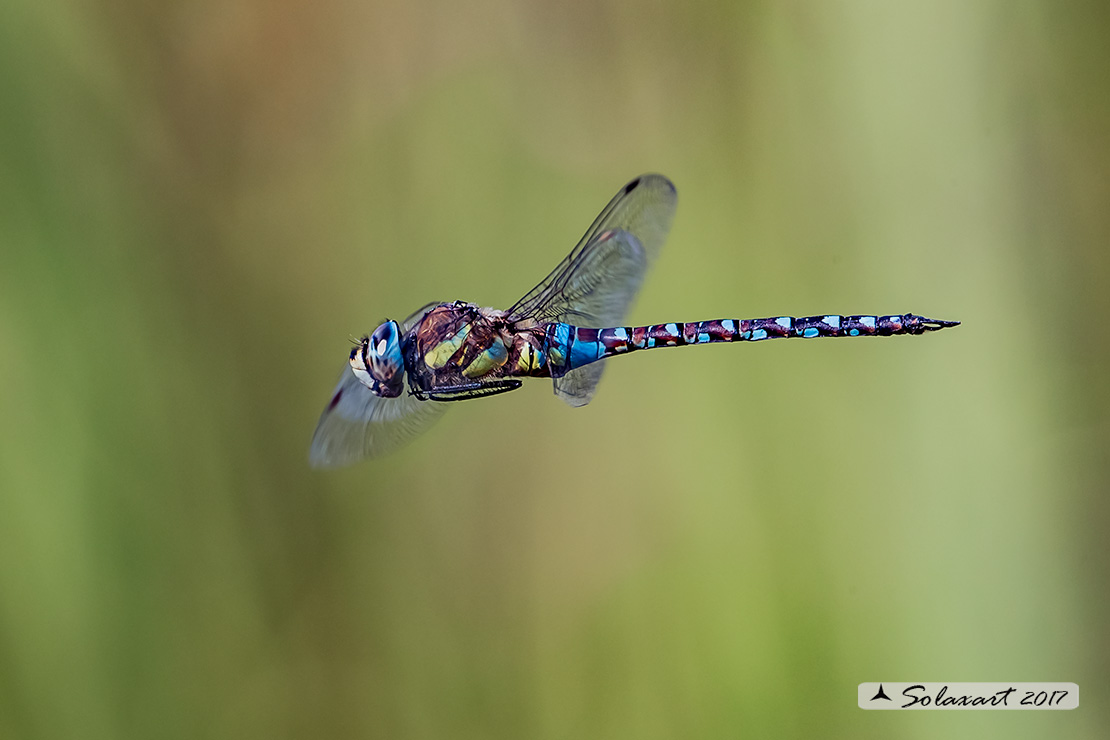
[[632, 185], [335, 399]]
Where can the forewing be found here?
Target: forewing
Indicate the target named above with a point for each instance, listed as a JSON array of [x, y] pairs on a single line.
[[357, 424], [597, 282]]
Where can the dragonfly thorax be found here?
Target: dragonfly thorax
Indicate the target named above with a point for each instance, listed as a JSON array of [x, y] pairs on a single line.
[[378, 363]]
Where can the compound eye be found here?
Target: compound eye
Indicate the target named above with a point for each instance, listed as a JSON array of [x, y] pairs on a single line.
[[384, 353]]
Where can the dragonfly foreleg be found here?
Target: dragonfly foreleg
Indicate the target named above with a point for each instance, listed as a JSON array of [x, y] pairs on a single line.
[[468, 390]]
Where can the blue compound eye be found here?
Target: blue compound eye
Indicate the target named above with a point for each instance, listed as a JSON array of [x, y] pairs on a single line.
[[384, 354]]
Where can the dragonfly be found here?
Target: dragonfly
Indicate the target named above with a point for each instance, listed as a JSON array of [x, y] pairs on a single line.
[[562, 329]]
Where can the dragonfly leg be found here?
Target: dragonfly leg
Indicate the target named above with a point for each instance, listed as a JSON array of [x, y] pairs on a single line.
[[468, 390]]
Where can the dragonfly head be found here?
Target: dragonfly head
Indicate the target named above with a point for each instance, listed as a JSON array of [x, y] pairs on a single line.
[[378, 363]]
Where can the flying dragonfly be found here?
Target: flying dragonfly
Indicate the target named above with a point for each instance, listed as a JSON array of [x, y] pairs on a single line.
[[561, 329]]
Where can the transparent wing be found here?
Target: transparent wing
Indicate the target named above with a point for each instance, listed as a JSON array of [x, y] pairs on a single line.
[[644, 209], [357, 424], [596, 283], [602, 284]]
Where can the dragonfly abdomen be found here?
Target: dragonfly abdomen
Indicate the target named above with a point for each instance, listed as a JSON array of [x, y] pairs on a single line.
[[570, 347]]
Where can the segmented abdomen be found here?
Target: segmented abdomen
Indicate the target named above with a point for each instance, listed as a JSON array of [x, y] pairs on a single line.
[[571, 346]]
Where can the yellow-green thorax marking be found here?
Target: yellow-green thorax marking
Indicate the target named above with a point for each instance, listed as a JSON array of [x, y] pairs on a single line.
[[473, 343], [445, 350], [492, 358]]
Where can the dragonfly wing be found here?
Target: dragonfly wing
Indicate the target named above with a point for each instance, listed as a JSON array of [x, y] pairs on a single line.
[[358, 424], [577, 387], [603, 283], [597, 282], [643, 209]]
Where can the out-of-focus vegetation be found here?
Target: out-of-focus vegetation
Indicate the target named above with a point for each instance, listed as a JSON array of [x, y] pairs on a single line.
[[200, 203]]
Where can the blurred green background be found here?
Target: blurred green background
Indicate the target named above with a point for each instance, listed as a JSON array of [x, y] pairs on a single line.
[[201, 203]]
